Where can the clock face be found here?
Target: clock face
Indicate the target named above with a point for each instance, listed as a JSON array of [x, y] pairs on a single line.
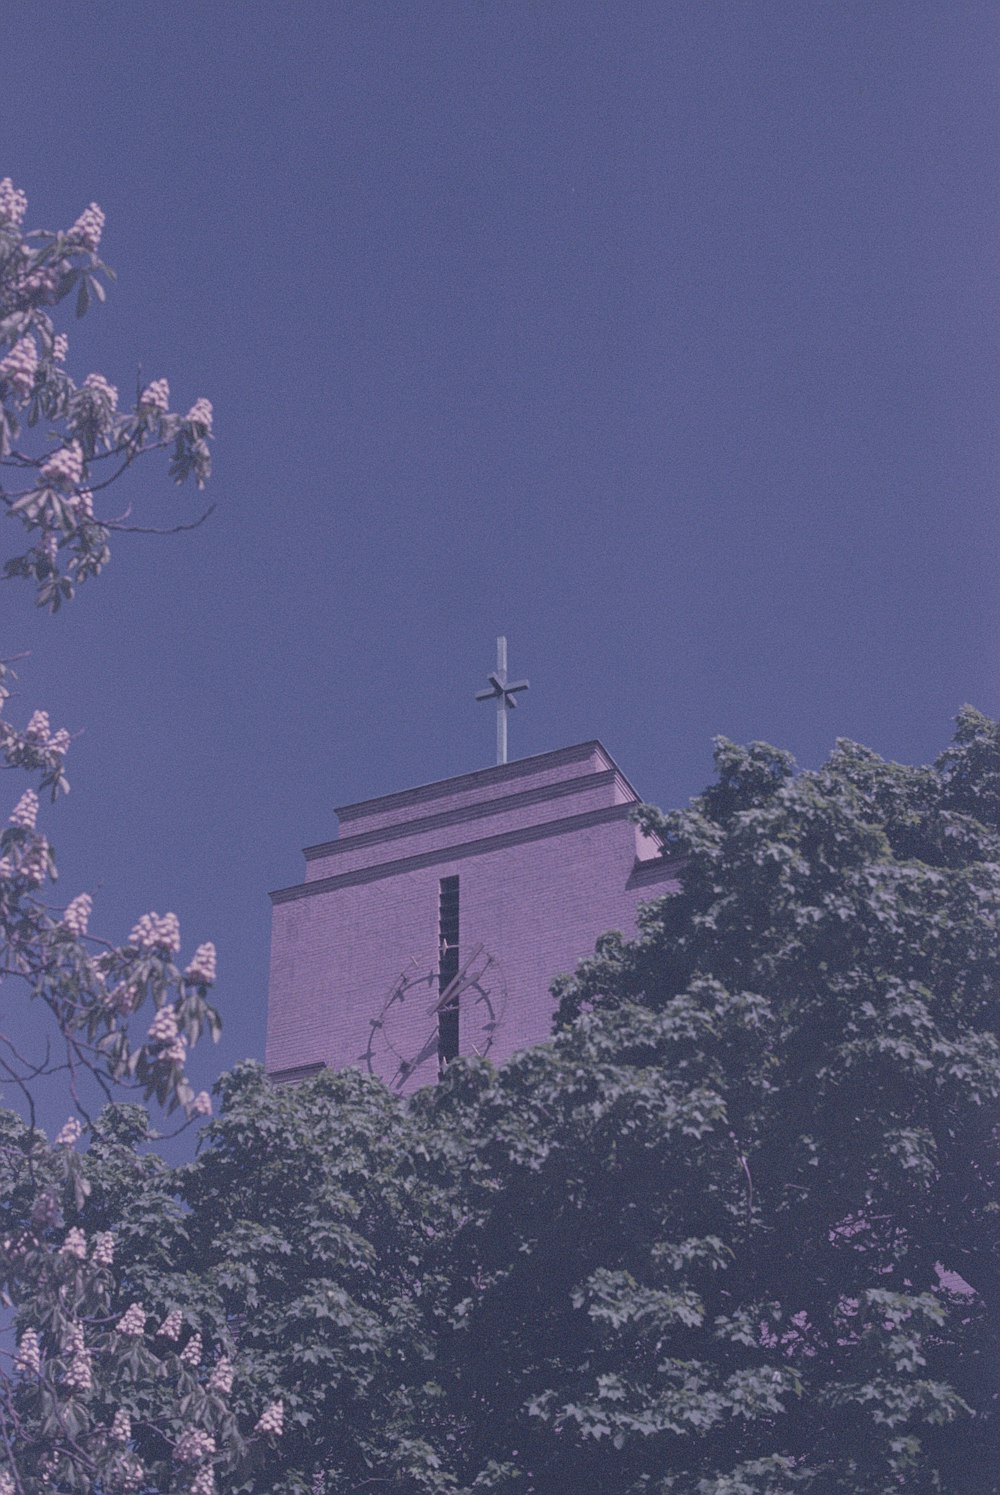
[[407, 1040]]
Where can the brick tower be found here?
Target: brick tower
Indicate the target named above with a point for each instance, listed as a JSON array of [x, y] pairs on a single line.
[[435, 922]]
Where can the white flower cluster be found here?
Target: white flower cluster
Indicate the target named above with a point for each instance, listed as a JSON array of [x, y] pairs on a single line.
[[64, 468], [29, 1356], [133, 1321], [77, 914], [73, 1343], [272, 1419], [69, 1134], [38, 727], [83, 503], [20, 365], [101, 389], [131, 1475], [171, 1326], [103, 1253], [163, 1028], [75, 1244], [221, 1379], [13, 204], [191, 1353], [152, 931], [121, 1427], [193, 1445], [88, 227], [60, 347], [79, 1373], [202, 1104], [156, 396], [176, 1053], [202, 967], [34, 867], [25, 813], [123, 998], [7, 1486], [200, 414], [203, 1482]]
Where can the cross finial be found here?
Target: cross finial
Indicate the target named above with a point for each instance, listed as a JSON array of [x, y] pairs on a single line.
[[502, 691]]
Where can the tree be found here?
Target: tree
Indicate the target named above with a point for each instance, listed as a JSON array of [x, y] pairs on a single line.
[[732, 1232], [93, 991]]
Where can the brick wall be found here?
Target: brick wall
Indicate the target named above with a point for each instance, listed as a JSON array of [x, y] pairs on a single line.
[[547, 860]]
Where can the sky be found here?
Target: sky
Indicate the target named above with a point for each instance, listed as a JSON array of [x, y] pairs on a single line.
[[661, 337]]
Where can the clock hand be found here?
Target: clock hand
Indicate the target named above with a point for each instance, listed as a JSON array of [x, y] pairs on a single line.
[[460, 981]]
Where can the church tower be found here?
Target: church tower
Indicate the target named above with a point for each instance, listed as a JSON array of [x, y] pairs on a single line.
[[435, 922]]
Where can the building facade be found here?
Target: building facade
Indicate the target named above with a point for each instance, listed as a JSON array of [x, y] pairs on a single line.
[[435, 922]]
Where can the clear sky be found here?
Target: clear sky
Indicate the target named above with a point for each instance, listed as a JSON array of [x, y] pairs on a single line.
[[661, 335]]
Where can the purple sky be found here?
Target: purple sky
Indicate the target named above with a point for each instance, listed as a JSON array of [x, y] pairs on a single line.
[[660, 336]]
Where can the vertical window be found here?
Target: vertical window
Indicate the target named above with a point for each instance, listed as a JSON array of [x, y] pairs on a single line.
[[448, 969]]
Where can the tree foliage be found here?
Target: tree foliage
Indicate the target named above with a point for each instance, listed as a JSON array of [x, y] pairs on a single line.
[[732, 1232], [62, 443]]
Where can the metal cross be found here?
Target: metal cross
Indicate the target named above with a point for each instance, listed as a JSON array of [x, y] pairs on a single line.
[[502, 691]]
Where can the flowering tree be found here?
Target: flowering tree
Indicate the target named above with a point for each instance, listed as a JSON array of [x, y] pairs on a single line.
[[118, 1015]]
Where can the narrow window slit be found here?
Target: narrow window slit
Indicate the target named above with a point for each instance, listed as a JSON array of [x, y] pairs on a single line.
[[448, 969]]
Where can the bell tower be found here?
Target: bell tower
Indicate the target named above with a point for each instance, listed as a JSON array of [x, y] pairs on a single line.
[[435, 922]]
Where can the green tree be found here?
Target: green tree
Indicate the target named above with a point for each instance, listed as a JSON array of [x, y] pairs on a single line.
[[732, 1232], [62, 444]]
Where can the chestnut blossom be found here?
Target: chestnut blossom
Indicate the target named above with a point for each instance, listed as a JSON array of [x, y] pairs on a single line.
[[13, 204], [151, 931], [38, 728], [202, 967], [77, 914], [156, 396], [60, 347], [35, 865], [193, 1445], [40, 285], [69, 1134], [99, 386], [163, 1028], [272, 1419], [73, 1344], [88, 227], [83, 503], [221, 1379], [103, 1253], [7, 1486], [59, 743], [177, 1052], [202, 1104], [121, 1427], [200, 414], [75, 1244], [203, 1482], [64, 468], [123, 998], [29, 1356], [133, 1321], [25, 812], [79, 1375], [171, 1326], [131, 1475], [20, 365], [191, 1353]]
